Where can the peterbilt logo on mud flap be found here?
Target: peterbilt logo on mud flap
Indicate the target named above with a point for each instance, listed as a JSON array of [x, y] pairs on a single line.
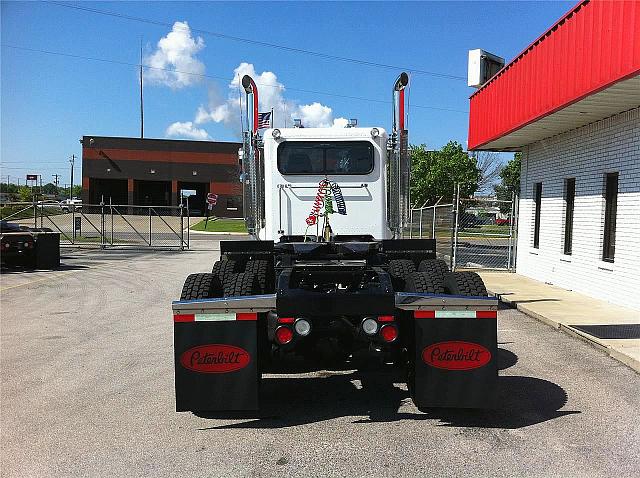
[[215, 358], [456, 355]]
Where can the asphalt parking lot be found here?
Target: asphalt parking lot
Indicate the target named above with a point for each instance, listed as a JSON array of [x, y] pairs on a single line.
[[87, 390]]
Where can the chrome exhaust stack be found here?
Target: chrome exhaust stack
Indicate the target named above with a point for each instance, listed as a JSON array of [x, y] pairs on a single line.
[[400, 161], [252, 168]]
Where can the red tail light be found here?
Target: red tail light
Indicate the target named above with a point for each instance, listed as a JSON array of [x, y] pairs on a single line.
[[389, 333], [284, 335], [286, 320], [385, 318]]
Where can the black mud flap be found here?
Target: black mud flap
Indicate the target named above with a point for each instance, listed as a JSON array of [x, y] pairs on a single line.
[[216, 363], [455, 363]]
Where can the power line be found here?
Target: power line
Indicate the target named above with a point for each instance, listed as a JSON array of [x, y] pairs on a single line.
[[261, 43], [300, 90]]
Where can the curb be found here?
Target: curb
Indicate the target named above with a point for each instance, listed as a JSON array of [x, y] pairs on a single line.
[[219, 233], [615, 354]]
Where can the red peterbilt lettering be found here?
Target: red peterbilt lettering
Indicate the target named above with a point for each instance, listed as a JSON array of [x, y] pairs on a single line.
[[215, 358], [456, 355]]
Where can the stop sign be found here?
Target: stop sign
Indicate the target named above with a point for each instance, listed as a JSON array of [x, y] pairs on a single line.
[[212, 199]]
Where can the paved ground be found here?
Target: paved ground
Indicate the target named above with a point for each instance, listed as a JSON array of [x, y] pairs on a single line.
[[87, 390], [571, 312]]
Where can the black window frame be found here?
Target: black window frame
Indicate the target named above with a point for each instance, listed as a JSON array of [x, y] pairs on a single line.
[[569, 204], [324, 170], [611, 182], [537, 196]]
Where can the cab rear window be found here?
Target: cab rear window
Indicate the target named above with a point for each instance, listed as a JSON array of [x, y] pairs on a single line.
[[320, 158]]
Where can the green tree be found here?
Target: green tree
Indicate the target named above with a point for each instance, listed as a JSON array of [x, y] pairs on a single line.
[[510, 176], [434, 174], [50, 188], [25, 193]]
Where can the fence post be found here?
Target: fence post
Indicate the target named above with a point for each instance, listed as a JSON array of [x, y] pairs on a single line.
[[35, 211], [433, 224], [181, 227], [410, 223], [149, 226], [111, 214], [510, 231], [454, 241], [420, 228], [188, 226], [102, 231]]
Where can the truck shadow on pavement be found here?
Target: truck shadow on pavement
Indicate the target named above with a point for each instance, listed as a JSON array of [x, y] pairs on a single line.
[[383, 397]]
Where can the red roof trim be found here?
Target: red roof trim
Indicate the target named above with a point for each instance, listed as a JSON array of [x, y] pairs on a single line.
[[589, 93], [535, 42], [597, 48]]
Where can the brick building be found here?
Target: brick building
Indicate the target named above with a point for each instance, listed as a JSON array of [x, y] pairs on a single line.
[[154, 171], [571, 103]]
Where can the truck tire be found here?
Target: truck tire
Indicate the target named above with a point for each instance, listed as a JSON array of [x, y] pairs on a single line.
[[465, 283], [224, 268], [399, 270], [242, 283], [434, 267], [201, 286], [425, 283], [263, 271]]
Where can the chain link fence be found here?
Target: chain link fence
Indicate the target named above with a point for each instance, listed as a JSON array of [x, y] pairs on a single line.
[[106, 225], [485, 234], [477, 233], [434, 222]]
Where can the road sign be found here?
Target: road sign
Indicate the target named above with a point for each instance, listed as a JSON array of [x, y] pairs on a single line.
[[212, 199], [32, 177]]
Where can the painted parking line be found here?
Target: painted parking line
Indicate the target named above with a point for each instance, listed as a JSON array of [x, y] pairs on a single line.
[[49, 277]]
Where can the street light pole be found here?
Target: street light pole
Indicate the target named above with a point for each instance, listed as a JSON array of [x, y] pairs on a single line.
[[72, 160]]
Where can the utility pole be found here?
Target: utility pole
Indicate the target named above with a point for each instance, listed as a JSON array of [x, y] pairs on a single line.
[[72, 160], [55, 179], [141, 101]]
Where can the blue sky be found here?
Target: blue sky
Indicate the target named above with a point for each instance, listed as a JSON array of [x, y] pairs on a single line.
[[49, 101]]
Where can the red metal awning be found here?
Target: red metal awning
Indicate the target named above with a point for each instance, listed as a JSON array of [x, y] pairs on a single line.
[[584, 68]]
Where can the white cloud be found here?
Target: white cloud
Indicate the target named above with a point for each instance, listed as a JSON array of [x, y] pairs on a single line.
[[270, 96], [186, 130], [176, 51]]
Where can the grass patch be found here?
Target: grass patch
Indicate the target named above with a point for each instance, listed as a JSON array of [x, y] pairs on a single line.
[[221, 225]]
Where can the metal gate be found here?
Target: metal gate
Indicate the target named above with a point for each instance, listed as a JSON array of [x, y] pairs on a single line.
[[106, 225], [476, 233]]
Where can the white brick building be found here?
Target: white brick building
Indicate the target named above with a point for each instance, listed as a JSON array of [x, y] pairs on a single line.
[[574, 113], [586, 154]]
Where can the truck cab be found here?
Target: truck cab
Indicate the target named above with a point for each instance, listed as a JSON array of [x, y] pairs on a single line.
[[296, 160]]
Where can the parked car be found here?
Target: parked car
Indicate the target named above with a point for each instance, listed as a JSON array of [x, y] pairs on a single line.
[[69, 205], [502, 222]]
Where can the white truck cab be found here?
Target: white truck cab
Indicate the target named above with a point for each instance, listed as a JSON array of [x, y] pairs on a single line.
[[296, 160]]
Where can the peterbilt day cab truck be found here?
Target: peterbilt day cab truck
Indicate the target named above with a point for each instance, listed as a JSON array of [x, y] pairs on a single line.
[[327, 273]]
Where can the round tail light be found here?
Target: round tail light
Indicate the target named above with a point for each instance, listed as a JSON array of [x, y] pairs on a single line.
[[369, 326], [284, 335], [302, 327], [389, 333]]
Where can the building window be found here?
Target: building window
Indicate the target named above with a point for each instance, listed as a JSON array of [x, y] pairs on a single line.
[[537, 195], [610, 209], [569, 200]]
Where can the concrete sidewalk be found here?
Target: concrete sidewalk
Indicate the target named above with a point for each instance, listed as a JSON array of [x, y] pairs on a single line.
[[566, 310]]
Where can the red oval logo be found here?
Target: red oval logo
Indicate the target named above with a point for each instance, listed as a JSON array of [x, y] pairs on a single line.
[[456, 355], [215, 358]]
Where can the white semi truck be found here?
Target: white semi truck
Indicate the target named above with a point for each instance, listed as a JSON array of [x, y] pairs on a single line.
[[327, 273]]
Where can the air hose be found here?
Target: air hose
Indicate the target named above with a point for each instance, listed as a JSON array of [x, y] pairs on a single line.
[[327, 192], [317, 203], [337, 194]]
